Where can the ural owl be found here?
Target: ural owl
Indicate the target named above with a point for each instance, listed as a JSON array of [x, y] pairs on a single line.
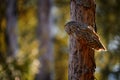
[[85, 34]]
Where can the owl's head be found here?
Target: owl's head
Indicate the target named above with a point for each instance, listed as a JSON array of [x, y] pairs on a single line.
[[71, 27]]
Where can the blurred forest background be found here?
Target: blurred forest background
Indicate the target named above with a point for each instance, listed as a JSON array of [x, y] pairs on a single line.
[[32, 39]]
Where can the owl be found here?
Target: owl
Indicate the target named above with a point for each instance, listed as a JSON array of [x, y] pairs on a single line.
[[84, 34]]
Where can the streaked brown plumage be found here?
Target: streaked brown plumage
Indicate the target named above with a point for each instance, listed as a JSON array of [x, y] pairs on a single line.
[[85, 34]]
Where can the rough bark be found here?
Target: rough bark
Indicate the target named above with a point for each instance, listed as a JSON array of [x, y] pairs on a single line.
[[11, 15], [44, 35], [81, 58]]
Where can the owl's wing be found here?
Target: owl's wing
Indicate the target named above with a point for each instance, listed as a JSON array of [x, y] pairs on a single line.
[[94, 41], [90, 38]]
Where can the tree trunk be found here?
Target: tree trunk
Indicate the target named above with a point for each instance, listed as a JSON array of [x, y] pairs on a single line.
[[44, 35], [11, 15], [81, 58]]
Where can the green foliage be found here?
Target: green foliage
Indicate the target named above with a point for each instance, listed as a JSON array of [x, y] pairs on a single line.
[[25, 65]]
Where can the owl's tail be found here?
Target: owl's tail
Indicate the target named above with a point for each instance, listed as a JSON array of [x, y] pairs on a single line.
[[101, 47]]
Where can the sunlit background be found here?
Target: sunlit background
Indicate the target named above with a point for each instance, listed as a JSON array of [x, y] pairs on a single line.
[[25, 63]]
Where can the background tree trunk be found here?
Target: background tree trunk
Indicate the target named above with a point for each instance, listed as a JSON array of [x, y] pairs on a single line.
[[44, 35], [11, 15], [7, 34], [3, 45], [81, 58]]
